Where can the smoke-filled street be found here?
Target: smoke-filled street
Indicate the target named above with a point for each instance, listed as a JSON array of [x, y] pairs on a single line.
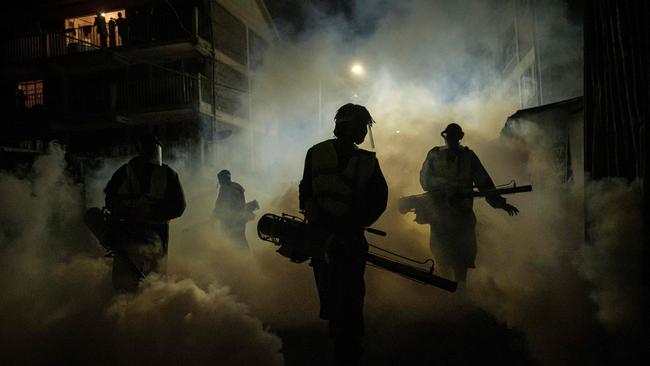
[[186, 122]]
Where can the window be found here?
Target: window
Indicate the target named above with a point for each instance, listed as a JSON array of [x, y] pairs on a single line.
[[508, 44], [257, 48], [29, 94], [230, 35], [228, 76], [529, 87]]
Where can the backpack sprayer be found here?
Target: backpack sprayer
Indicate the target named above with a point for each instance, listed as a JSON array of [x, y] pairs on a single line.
[[300, 241], [107, 229], [422, 201]]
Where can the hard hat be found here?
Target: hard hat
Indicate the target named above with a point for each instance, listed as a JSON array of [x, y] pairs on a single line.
[[353, 113], [453, 129], [224, 174]]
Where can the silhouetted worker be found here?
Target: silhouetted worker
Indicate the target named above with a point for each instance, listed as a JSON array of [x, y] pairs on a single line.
[[230, 209], [100, 24], [143, 196], [450, 172], [112, 40], [343, 191], [122, 28]]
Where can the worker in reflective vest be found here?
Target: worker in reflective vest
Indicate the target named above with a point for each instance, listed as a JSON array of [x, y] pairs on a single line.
[[343, 191], [230, 209], [143, 195], [450, 172]]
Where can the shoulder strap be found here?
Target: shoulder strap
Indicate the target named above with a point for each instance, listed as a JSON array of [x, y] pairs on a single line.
[[158, 182], [130, 186], [324, 158]]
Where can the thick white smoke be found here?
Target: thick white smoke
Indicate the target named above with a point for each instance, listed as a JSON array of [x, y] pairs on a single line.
[[613, 260], [428, 64], [58, 305], [539, 289]]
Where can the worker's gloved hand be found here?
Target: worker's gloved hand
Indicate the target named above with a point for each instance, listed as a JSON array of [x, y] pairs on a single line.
[[511, 210]]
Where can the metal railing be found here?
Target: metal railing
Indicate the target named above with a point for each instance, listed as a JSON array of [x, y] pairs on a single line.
[[145, 30], [43, 46], [173, 91], [33, 100], [90, 38], [169, 92]]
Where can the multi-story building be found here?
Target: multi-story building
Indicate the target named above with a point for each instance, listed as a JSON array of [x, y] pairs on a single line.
[[539, 57], [94, 74], [538, 48]]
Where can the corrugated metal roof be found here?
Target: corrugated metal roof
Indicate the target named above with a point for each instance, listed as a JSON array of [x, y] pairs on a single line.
[[573, 103]]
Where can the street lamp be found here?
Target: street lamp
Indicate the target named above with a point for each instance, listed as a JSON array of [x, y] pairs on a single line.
[[357, 69]]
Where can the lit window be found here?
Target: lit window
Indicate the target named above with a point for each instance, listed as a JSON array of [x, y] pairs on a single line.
[[29, 94]]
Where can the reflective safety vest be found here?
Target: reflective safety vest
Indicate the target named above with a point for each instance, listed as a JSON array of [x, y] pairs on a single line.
[[131, 191], [457, 171], [337, 190]]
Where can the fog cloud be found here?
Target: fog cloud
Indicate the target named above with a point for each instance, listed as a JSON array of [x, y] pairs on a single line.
[[427, 64]]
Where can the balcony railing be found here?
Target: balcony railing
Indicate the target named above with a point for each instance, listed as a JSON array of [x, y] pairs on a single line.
[[88, 38], [30, 101], [153, 94], [21, 50], [172, 91], [142, 31]]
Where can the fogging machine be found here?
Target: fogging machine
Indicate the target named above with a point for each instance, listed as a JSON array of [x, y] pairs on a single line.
[[300, 241], [418, 202]]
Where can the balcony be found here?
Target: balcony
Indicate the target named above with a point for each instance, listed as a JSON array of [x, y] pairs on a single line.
[[166, 98], [170, 35], [86, 103], [172, 94]]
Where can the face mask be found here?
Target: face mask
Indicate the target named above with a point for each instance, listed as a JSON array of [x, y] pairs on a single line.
[[156, 156], [372, 139]]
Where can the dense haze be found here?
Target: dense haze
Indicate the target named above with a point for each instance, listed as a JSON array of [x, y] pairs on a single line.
[[540, 292]]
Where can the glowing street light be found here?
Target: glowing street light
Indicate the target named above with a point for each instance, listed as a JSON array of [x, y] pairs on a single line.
[[357, 69]]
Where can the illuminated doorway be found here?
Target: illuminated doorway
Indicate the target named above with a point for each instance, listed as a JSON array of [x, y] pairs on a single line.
[[85, 33]]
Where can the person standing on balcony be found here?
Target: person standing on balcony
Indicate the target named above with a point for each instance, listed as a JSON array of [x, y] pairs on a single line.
[[122, 28], [100, 24], [112, 40]]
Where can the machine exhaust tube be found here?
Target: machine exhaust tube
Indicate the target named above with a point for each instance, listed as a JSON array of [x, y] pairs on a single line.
[[300, 241], [413, 273], [419, 202]]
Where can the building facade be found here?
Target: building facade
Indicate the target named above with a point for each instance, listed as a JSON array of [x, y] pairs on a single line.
[[539, 59], [96, 74], [539, 50]]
